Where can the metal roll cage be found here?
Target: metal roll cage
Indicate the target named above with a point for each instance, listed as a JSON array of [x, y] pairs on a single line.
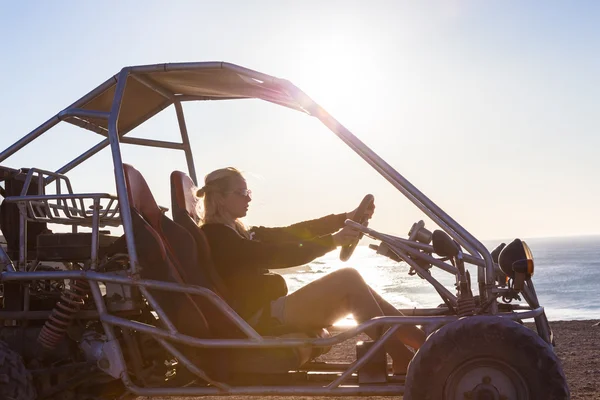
[[290, 96]]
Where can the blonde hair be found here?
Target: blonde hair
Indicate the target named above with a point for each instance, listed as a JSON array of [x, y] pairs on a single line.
[[216, 185]]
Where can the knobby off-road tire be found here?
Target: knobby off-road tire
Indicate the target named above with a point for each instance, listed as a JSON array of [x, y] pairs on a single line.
[[485, 357], [15, 381]]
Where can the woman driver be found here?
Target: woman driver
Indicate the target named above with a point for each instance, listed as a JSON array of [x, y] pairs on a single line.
[[243, 258]]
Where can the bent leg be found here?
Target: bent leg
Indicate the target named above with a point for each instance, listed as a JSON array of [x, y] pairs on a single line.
[[328, 299]]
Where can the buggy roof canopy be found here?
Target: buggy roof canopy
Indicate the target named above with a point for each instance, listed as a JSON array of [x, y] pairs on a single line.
[[137, 93], [152, 88]]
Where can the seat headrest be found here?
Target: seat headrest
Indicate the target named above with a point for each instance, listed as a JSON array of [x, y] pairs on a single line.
[[184, 191], [140, 196]]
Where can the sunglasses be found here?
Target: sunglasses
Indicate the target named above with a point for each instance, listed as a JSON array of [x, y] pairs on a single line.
[[244, 193]]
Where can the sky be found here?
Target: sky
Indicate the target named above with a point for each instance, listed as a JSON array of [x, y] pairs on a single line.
[[489, 108]]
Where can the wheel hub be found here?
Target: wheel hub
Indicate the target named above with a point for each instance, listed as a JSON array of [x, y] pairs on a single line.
[[484, 391], [485, 379]]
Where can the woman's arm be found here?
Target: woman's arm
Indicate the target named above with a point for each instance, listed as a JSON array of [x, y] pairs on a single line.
[[231, 252], [301, 231]]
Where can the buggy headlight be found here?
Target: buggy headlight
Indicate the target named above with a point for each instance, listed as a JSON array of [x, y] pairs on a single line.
[[516, 261]]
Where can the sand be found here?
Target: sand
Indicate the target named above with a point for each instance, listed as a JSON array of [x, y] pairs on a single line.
[[577, 345]]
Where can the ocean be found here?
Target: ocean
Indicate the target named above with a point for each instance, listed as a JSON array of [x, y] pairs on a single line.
[[566, 277]]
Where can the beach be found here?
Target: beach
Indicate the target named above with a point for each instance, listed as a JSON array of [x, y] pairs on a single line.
[[577, 345]]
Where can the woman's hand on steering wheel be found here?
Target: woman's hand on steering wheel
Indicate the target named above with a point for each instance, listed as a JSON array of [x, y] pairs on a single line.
[[346, 236], [361, 214], [367, 214]]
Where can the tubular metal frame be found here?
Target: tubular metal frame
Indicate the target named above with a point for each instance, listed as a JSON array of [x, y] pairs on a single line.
[[479, 254], [254, 340]]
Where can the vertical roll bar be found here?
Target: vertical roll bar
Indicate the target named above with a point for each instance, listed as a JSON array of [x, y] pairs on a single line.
[[113, 137], [186, 141], [95, 232], [22, 239]]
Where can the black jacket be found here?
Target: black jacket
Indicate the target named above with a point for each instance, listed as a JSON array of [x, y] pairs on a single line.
[[244, 264]]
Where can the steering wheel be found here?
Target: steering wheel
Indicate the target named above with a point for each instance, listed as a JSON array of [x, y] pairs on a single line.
[[360, 216]]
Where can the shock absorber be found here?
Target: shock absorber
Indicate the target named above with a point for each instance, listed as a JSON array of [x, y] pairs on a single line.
[[71, 301], [465, 306], [465, 301]]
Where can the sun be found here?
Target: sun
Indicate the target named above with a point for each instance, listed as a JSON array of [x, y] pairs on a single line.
[[337, 72]]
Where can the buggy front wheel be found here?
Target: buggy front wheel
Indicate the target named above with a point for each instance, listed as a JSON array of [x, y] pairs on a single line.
[[485, 357]]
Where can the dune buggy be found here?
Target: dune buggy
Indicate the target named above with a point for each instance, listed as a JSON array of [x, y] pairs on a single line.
[[87, 315]]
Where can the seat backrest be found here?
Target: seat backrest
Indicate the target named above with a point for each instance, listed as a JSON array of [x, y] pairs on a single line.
[[166, 252], [183, 197], [184, 205]]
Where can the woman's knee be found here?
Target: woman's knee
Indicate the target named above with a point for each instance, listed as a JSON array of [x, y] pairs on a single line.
[[351, 276], [358, 298]]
